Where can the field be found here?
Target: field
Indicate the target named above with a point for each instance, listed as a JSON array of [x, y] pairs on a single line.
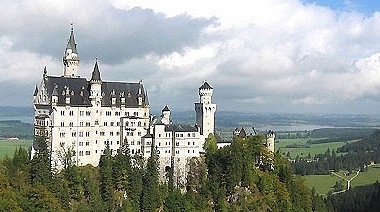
[[324, 183], [7, 147], [304, 149]]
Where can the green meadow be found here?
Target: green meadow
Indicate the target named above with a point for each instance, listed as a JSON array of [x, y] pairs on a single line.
[[7, 147], [302, 149], [324, 183]]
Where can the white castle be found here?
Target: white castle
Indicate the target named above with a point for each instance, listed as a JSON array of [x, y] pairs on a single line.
[[87, 115]]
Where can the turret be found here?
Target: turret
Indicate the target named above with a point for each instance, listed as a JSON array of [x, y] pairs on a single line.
[[139, 94], [35, 95], [205, 93], [67, 97], [270, 140], [205, 110], [71, 58], [165, 114], [54, 96], [96, 86]]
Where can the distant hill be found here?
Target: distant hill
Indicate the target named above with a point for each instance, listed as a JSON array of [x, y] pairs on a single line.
[[24, 114]]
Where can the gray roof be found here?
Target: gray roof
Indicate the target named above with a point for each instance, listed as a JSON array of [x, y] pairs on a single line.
[[166, 108], [35, 91], [79, 88], [71, 43], [205, 86], [180, 128], [95, 76]]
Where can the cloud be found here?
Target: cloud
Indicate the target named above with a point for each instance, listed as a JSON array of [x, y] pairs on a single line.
[[275, 55]]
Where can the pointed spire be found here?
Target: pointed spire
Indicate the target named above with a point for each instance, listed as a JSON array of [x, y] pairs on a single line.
[[166, 108], [146, 98], [205, 85], [71, 44], [55, 90], [96, 73], [35, 91]]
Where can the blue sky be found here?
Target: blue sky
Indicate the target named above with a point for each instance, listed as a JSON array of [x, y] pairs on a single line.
[[287, 56], [364, 6]]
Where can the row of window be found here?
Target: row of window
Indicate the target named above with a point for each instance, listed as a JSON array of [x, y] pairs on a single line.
[[177, 143], [81, 113], [108, 113], [178, 135], [176, 152]]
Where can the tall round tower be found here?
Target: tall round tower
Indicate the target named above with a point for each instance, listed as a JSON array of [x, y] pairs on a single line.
[[205, 110]]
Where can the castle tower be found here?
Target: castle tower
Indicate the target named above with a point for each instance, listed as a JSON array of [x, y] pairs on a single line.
[[71, 59], [205, 110], [270, 141], [165, 115], [96, 86]]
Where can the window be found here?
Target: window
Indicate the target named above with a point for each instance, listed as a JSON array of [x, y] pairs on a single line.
[[96, 122], [139, 124], [111, 133], [136, 113], [105, 123], [80, 143], [61, 144], [188, 143], [177, 143], [102, 133], [80, 153], [117, 133], [139, 133], [117, 123], [81, 123], [74, 134], [62, 113], [126, 113], [108, 113], [87, 134], [71, 124], [88, 113], [81, 134], [87, 124], [111, 123], [62, 124], [62, 134], [87, 143], [71, 113], [81, 113], [117, 142]]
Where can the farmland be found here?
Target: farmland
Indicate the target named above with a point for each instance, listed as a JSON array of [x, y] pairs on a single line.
[[7, 147]]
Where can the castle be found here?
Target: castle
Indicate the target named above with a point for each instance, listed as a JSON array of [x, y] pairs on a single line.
[[85, 116]]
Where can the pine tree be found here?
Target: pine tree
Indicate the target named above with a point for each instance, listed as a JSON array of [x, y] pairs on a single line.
[[150, 193], [106, 185], [40, 165]]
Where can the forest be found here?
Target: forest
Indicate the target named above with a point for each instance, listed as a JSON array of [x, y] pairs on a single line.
[[241, 177]]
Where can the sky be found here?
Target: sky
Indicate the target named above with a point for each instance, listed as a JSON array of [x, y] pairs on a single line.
[[276, 56]]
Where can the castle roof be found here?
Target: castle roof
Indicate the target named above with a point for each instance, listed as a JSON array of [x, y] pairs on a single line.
[[180, 128], [95, 76], [78, 90], [166, 108], [71, 43], [205, 86]]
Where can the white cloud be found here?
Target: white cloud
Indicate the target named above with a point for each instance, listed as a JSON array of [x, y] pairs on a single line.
[[281, 52]]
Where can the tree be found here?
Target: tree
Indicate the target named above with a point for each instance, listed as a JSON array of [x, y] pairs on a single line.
[[150, 192], [106, 180], [40, 165]]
